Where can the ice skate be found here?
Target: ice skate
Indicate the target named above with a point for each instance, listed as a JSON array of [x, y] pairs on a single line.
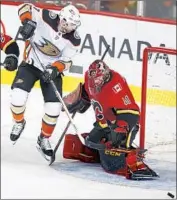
[[44, 147], [17, 129], [144, 173]]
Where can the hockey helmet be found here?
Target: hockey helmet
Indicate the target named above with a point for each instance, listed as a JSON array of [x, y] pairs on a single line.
[[69, 19]]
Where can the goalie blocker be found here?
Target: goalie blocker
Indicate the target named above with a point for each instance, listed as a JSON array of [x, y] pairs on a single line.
[[128, 163]]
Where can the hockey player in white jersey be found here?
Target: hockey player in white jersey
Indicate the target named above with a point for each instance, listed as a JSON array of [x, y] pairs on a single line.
[[55, 42]]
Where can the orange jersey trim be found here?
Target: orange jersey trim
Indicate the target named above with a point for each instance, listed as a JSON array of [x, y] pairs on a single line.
[[60, 66], [25, 16]]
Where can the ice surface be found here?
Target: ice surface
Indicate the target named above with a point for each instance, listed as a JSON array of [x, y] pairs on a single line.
[[25, 174]]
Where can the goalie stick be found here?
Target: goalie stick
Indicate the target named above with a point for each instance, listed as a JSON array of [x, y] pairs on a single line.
[[60, 140]]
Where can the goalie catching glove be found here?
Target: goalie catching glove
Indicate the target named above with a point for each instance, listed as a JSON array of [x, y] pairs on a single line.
[[78, 100]]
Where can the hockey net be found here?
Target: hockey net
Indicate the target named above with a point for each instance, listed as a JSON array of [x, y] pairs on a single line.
[[158, 97]]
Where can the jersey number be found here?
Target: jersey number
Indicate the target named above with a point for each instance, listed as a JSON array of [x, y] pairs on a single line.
[[126, 100]]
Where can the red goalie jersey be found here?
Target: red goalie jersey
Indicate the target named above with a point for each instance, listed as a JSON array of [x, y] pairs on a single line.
[[109, 94]]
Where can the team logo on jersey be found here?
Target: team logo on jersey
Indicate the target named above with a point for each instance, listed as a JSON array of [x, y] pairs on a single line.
[[19, 81], [47, 48], [76, 35], [98, 109], [52, 15]]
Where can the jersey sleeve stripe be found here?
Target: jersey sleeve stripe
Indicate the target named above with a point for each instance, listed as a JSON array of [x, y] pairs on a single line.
[[7, 44], [127, 112]]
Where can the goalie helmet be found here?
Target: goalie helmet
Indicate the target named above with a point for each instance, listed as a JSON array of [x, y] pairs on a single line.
[[98, 75], [69, 19]]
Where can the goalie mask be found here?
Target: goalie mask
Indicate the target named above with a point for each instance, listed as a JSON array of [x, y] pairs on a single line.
[[69, 19], [98, 75]]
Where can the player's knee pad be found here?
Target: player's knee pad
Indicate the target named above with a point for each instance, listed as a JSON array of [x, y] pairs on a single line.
[[52, 108], [18, 103], [19, 97]]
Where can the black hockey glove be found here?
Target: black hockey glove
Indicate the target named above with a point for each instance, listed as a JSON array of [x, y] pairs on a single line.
[[11, 62], [50, 74], [28, 29], [118, 135]]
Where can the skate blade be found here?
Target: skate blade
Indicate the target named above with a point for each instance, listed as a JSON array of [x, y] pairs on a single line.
[[13, 142], [52, 159], [48, 158]]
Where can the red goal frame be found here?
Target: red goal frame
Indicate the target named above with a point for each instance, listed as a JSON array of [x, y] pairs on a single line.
[[144, 86]]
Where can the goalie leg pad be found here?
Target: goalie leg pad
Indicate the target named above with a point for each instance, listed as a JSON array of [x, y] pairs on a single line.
[[112, 160], [90, 155], [137, 169], [72, 147], [126, 163]]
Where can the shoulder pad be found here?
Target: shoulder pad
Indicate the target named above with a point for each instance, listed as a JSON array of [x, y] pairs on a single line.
[[50, 18], [73, 37]]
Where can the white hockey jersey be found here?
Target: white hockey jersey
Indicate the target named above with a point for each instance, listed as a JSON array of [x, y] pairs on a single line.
[[50, 45]]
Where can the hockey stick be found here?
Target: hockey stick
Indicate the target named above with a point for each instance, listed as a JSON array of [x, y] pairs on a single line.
[[60, 140], [107, 49]]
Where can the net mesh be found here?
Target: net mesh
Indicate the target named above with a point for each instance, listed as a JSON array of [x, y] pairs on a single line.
[[160, 117]]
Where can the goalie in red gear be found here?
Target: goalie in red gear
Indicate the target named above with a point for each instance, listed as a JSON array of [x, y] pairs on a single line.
[[117, 123], [11, 49]]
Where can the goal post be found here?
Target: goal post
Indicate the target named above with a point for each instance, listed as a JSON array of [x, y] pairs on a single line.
[[147, 55]]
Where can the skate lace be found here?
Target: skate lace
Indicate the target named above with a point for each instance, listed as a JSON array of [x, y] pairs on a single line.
[[17, 128], [45, 143]]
